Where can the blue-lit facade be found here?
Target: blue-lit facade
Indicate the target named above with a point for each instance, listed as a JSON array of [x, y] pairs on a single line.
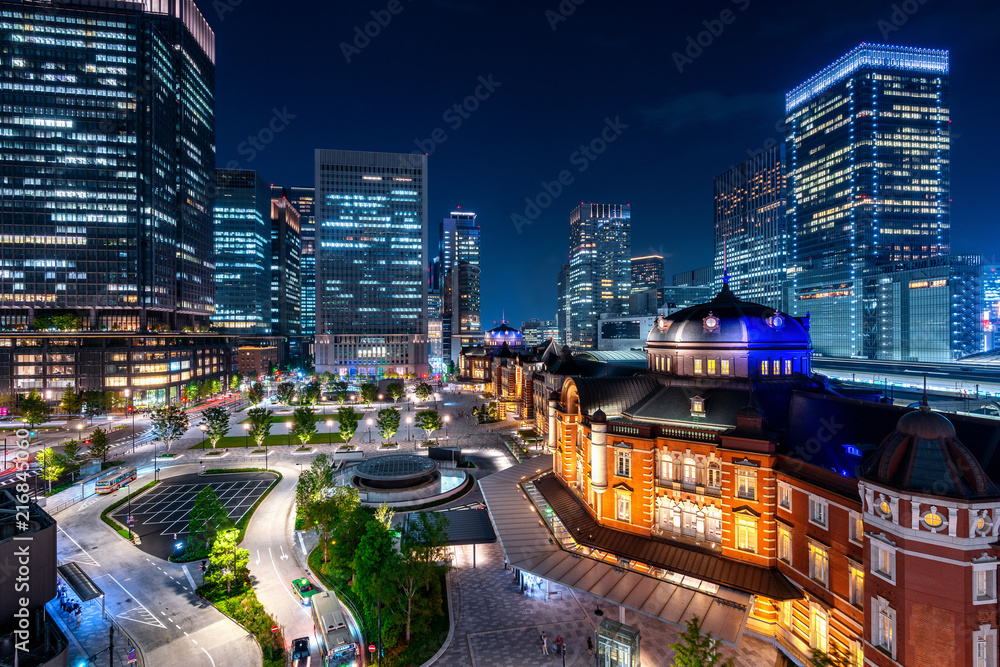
[[302, 198], [286, 274], [108, 146], [371, 255], [868, 153], [460, 300], [242, 214]]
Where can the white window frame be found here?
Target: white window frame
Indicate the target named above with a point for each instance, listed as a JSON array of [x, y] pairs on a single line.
[[667, 467], [689, 465], [817, 641], [819, 511], [713, 525], [984, 642], [746, 474], [743, 532], [785, 611], [623, 500], [784, 544], [785, 496], [724, 366], [623, 456], [883, 564], [884, 626], [819, 563], [984, 583], [699, 366], [857, 527], [713, 470], [856, 575]]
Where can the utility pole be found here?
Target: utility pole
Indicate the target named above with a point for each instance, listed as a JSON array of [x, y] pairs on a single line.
[[111, 646]]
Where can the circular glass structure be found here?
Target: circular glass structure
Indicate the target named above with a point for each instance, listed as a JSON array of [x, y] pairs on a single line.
[[396, 471]]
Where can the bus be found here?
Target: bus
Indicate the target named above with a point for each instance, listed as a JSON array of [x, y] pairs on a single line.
[[112, 481], [336, 641]]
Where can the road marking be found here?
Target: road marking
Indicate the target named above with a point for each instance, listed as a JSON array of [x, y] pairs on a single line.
[[303, 545], [185, 634], [284, 556], [275, 566], [92, 560], [194, 642], [189, 577], [179, 627], [209, 657], [258, 557]]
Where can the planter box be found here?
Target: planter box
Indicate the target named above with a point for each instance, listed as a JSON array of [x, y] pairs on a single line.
[[217, 455], [169, 458], [303, 451]]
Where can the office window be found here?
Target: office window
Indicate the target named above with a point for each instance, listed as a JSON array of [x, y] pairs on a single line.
[[746, 533], [711, 366], [697, 366], [857, 584], [857, 527], [819, 563], [818, 632], [785, 496], [818, 509], [624, 506], [784, 544], [725, 366], [788, 366], [714, 480], [984, 583], [883, 561], [623, 463], [746, 482]]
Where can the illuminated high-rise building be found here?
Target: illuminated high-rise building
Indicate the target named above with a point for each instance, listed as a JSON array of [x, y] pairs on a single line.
[[460, 287], [371, 258], [600, 271], [868, 155], [647, 273], [242, 212], [108, 163], [302, 198], [751, 238], [286, 273]]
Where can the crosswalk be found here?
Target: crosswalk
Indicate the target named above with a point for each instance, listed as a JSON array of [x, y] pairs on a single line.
[[14, 478]]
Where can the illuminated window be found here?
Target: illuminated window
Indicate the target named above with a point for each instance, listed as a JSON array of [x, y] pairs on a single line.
[[667, 468], [883, 561], [698, 406], [818, 631], [857, 527], [777, 367], [784, 544], [884, 627], [623, 463], [746, 533], [857, 584], [819, 563], [785, 496], [624, 507], [786, 614], [746, 482], [725, 366], [763, 368], [818, 509], [711, 366], [714, 477], [713, 524], [788, 366], [697, 366], [689, 472]]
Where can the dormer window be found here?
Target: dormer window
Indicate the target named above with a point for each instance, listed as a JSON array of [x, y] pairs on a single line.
[[697, 406], [711, 323]]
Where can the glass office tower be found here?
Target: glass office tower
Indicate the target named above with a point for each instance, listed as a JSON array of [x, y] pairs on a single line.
[[868, 175], [600, 270], [108, 149], [460, 301], [647, 273], [371, 254], [286, 270], [302, 198], [751, 238], [242, 252]]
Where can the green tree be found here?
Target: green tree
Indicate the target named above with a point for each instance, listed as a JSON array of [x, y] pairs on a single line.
[[71, 403], [311, 392], [208, 517], [311, 495], [113, 400], [53, 465], [285, 392], [192, 392], [339, 389], [260, 424], [169, 423], [369, 390], [429, 420], [255, 394], [388, 422], [72, 455], [395, 390], [228, 564], [304, 423], [100, 445], [34, 408], [93, 403], [838, 658], [423, 544], [217, 421], [347, 422], [235, 381], [423, 391], [697, 649], [376, 563]]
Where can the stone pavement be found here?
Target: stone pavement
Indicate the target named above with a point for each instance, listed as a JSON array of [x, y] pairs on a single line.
[[90, 639], [497, 626]]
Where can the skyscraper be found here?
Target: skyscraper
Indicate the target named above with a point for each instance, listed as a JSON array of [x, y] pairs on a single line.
[[460, 300], [371, 290], [562, 304], [647, 273], [751, 239], [868, 176], [242, 213], [286, 273], [599, 279], [302, 198], [106, 206]]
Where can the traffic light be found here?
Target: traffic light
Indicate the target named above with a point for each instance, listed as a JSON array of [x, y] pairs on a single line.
[[87, 441], [31, 433]]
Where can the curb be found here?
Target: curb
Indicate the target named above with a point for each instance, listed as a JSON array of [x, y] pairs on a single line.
[[451, 618]]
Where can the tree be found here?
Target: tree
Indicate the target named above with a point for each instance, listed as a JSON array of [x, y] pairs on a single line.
[[53, 465], [423, 390], [375, 562], [170, 423], [260, 424], [369, 390], [339, 389], [838, 658], [227, 562], [192, 391], [429, 420], [34, 408], [93, 403], [423, 544], [71, 403], [396, 391], [697, 649], [388, 422], [347, 422], [285, 392], [72, 455], [235, 381], [113, 400], [311, 393], [99, 444], [304, 423], [208, 517], [255, 394], [217, 421]]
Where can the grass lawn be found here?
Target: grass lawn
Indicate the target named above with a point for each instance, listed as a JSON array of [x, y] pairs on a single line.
[[238, 441]]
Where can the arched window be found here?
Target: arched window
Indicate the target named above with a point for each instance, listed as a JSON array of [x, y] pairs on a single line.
[[714, 480], [667, 468], [689, 471]]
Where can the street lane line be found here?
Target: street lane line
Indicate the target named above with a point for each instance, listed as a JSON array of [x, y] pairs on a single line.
[[189, 577], [92, 559], [303, 545], [209, 657], [275, 566]]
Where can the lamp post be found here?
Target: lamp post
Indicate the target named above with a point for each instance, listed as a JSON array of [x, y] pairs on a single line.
[[369, 429], [131, 409], [409, 431], [447, 418], [288, 425], [203, 428], [329, 429], [128, 519], [380, 398], [246, 436]]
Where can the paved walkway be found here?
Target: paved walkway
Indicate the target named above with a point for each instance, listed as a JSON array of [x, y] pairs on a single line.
[[497, 626], [90, 637]]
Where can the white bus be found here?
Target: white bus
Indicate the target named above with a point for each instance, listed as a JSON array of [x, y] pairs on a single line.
[[336, 641], [112, 481]]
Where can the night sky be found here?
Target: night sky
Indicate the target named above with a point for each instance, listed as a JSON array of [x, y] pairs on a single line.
[[552, 90]]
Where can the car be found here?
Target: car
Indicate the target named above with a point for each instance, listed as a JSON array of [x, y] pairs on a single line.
[[300, 648], [304, 589]]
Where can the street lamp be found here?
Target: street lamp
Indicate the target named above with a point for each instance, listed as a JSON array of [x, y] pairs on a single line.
[[409, 431], [128, 519], [447, 418], [329, 429], [288, 425], [131, 409], [203, 429], [369, 429], [246, 436]]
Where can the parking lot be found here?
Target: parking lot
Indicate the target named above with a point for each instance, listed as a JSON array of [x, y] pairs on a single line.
[[163, 512]]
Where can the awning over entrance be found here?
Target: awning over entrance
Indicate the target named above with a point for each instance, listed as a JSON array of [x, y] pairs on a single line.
[[465, 526], [82, 585], [530, 545]]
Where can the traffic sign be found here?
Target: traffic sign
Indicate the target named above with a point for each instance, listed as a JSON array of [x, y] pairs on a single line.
[[274, 628], [131, 655], [131, 521], [371, 648]]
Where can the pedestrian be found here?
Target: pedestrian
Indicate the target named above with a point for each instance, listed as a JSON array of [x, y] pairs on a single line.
[[79, 615], [590, 646], [545, 642], [557, 648]]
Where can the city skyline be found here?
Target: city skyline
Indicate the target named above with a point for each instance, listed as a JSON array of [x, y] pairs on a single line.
[[712, 113]]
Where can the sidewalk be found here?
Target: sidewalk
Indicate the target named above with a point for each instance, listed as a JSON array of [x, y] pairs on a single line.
[[91, 638]]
